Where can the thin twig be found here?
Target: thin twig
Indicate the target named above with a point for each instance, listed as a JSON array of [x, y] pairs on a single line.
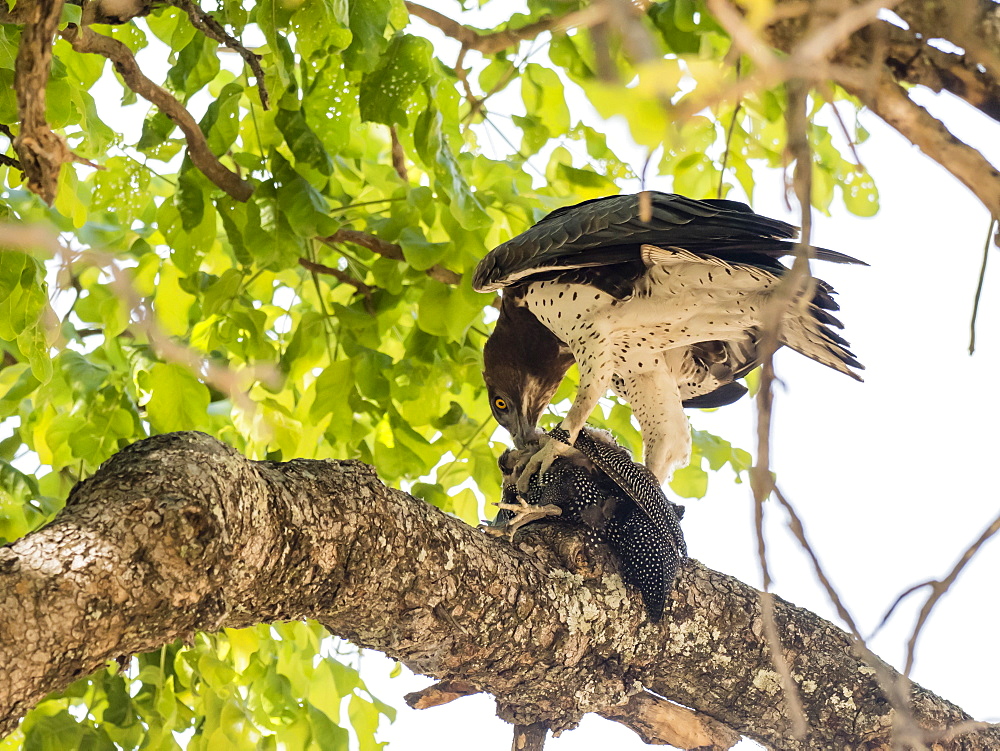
[[490, 44], [475, 105], [938, 589], [729, 132], [85, 40], [388, 250], [10, 161], [791, 288], [208, 26], [979, 286], [829, 96], [340, 276]]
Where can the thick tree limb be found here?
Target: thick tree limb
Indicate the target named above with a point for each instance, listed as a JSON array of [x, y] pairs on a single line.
[[389, 250], [973, 25], [906, 52], [214, 540], [890, 102], [85, 40]]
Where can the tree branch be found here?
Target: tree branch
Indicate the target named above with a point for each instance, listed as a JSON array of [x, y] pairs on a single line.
[[214, 30], [340, 276], [213, 540], [40, 150], [85, 40], [888, 100], [488, 44], [388, 250]]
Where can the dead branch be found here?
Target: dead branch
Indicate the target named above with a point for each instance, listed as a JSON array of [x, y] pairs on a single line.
[[211, 28], [85, 40], [655, 720], [388, 250], [660, 722], [442, 692]]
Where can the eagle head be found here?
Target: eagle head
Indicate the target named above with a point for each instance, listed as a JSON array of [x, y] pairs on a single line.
[[524, 363]]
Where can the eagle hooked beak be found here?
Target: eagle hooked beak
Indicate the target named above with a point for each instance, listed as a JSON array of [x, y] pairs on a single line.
[[524, 431]]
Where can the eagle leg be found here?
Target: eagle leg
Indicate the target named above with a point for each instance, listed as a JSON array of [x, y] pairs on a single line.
[[656, 404], [524, 513]]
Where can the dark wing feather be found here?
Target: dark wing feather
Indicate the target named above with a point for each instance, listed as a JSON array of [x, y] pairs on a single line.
[[637, 482], [608, 231]]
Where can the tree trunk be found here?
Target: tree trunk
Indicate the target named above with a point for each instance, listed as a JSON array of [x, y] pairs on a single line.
[[179, 533]]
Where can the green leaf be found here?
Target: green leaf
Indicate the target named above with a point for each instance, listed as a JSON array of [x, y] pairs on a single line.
[[178, 401], [71, 14], [386, 91], [190, 196], [197, 64], [8, 99], [432, 146], [303, 142], [10, 37], [690, 482], [544, 98], [367, 21], [420, 253], [221, 121], [321, 26], [333, 389], [22, 293]]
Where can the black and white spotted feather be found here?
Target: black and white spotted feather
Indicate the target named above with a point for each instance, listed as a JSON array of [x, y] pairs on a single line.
[[619, 503]]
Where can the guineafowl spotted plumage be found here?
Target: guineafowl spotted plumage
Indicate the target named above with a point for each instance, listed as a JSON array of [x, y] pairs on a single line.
[[615, 500]]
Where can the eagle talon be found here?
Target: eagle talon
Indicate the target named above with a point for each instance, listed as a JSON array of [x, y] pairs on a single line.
[[540, 462], [524, 513]]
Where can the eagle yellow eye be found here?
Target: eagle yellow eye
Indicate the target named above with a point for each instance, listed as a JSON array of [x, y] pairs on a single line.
[[500, 403]]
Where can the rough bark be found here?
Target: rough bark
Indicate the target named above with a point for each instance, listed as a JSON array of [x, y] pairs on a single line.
[[41, 151], [179, 533]]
